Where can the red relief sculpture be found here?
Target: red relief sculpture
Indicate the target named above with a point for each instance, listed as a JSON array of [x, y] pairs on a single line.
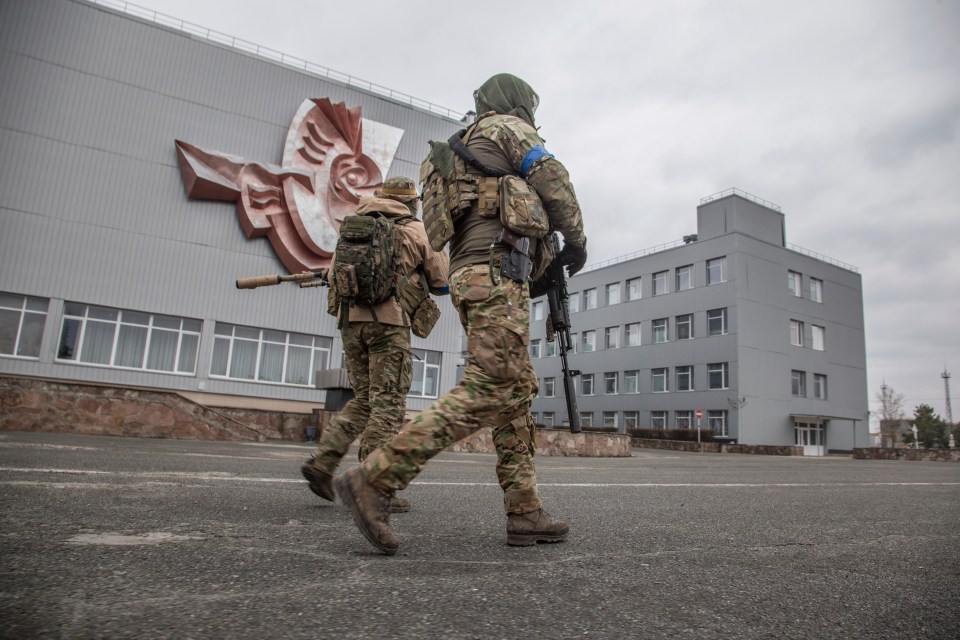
[[299, 205]]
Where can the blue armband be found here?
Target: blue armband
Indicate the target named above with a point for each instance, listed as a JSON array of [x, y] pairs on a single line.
[[442, 291], [532, 156]]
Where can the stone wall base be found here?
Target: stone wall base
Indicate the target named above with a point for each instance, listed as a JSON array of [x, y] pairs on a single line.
[[31, 404], [929, 455], [556, 443], [716, 447]]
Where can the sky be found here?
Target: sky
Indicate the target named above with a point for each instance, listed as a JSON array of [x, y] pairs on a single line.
[[846, 114]]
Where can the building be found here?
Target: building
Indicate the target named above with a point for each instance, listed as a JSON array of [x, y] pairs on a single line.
[[764, 339], [120, 246]]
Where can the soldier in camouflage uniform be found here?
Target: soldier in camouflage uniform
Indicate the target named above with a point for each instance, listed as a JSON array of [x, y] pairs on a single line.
[[377, 348], [499, 381]]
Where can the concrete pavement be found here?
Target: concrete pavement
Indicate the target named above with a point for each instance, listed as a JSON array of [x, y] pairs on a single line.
[[134, 538]]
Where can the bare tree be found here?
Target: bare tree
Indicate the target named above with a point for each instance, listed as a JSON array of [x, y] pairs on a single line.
[[890, 411]]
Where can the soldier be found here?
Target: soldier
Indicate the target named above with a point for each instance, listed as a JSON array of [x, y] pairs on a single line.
[[499, 381], [376, 346]]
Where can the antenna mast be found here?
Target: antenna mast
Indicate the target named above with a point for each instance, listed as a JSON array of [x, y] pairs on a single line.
[[946, 389]]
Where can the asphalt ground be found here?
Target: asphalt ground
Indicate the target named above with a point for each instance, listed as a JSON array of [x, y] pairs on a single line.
[[135, 538]]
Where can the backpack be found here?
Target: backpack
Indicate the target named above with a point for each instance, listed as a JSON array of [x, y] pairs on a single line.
[[364, 270]]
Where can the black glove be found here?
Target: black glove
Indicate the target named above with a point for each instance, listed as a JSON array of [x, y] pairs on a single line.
[[573, 257]]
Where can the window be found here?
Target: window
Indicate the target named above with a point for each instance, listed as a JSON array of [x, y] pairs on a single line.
[[535, 416], [631, 419], [22, 319], [589, 341], [573, 302], [660, 332], [659, 380], [685, 327], [716, 270], [549, 387], [610, 380], [717, 375], [798, 383], [536, 311], [131, 339], [572, 347], [685, 277], [535, 347], [794, 283], [589, 299], [633, 289], [660, 283], [610, 419], [717, 322], [717, 422], [631, 381], [819, 386], [586, 381], [796, 333], [266, 355], [685, 378], [683, 419], [658, 419], [611, 337], [586, 418], [817, 334], [426, 374], [633, 334], [551, 349], [548, 418], [613, 293], [816, 289]]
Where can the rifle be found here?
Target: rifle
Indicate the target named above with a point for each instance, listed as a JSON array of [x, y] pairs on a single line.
[[304, 279], [554, 281]]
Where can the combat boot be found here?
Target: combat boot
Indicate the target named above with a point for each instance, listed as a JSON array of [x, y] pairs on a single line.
[[370, 508], [321, 483], [525, 529], [398, 504]]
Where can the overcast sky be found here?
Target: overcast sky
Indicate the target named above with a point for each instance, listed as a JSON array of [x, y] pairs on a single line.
[[845, 113]]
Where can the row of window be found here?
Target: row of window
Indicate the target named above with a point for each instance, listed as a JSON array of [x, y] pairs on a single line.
[[718, 378], [133, 340], [683, 278], [659, 333], [795, 286], [716, 421]]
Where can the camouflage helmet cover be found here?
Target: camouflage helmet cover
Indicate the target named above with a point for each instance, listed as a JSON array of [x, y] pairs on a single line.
[[398, 188], [507, 94]]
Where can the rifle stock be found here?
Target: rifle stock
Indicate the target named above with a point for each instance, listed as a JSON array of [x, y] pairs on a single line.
[[558, 326], [305, 279]]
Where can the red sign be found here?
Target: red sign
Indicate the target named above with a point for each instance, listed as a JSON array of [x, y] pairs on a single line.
[[699, 414]]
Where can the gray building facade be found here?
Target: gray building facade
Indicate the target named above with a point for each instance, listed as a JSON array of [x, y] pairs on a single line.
[[765, 339], [109, 273]]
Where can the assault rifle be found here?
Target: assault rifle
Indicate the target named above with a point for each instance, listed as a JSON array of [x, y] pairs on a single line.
[[304, 279], [554, 283]]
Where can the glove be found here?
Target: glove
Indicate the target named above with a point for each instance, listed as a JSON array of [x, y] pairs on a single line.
[[573, 257]]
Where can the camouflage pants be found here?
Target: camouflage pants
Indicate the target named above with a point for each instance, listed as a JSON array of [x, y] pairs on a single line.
[[378, 363], [498, 386]]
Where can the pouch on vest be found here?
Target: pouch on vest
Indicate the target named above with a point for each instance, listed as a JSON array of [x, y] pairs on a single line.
[[416, 302], [521, 209]]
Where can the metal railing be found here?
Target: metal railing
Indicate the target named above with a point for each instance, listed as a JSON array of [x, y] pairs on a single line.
[[823, 258], [733, 191], [676, 243], [274, 56]]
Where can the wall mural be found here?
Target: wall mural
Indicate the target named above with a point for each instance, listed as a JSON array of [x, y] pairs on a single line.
[[331, 158]]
